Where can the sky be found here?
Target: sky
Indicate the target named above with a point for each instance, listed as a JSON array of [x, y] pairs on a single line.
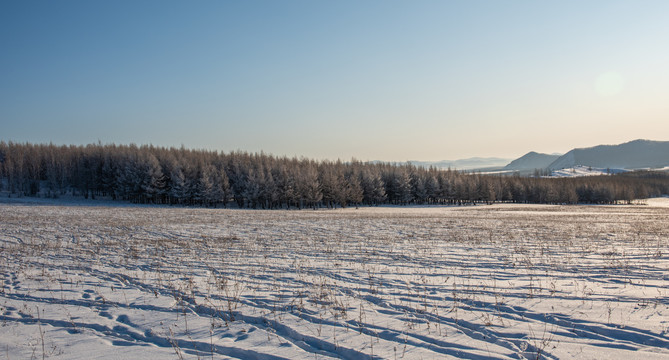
[[372, 80]]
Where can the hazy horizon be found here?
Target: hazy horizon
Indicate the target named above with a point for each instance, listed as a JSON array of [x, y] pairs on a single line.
[[389, 81]]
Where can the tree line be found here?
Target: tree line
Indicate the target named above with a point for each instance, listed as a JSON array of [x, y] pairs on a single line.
[[159, 175]]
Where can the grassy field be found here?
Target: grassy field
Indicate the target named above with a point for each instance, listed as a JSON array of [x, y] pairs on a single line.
[[478, 282]]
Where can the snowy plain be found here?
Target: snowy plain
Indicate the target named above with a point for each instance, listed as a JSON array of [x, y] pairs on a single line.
[[580, 170], [475, 282]]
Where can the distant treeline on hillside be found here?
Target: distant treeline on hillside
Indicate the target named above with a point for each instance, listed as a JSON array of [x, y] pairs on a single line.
[[158, 175]]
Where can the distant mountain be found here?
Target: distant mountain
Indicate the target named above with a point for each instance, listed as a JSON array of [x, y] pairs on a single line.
[[637, 154], [532, 160], [465, 164]]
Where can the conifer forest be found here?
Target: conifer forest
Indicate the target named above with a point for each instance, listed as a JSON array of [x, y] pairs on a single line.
[[159, 175]]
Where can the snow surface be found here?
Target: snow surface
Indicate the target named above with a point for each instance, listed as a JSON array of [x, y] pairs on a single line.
[[581, 170], [479, 282], [658, 202]]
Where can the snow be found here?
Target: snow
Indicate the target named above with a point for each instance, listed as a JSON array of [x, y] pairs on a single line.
[[580, 170], [658, 202], [479, 282]]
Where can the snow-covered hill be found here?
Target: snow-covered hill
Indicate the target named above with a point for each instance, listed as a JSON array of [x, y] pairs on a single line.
[[581, 170], [635, 154]]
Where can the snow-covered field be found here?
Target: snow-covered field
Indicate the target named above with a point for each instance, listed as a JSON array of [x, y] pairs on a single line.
[[581, 170], [501, 281]]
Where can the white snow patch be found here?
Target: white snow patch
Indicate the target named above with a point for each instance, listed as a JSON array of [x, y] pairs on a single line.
[[658, 202], [581, 170]]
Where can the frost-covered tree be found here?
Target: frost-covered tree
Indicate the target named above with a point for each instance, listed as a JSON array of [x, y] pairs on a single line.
[[152, 179], [150, 174], [373, 187], [308, 186], [399, 186], [353, 190], [333, 186]]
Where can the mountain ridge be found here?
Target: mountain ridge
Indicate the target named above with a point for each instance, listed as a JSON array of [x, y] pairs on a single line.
[[631, 155], [532, 160], [465, 164], [635, 154]]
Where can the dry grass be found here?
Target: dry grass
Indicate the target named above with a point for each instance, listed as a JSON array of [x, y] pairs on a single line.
[[499, 281]]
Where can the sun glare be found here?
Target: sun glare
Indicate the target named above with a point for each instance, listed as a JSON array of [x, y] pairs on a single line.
[[609, 84]]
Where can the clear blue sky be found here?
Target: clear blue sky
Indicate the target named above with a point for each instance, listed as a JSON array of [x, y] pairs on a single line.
[[375, 80]]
